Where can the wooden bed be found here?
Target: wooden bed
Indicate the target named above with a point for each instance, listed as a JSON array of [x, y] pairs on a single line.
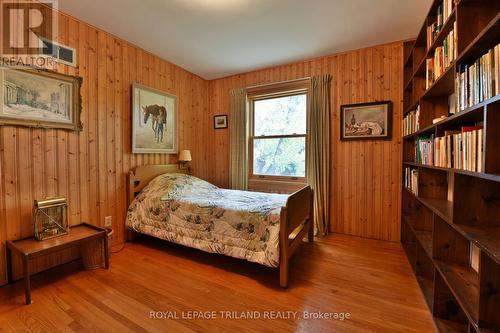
[[296, 218]]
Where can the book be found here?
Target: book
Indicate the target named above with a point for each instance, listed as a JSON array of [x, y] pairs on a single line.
[[411, 180], [452, 104], [460, 149], [424, 150], [478, 81], [450, 152], [496, 69], [470, 151], [437, 120], [480, 150], [443, 57], [429, 76], [411, 122], [442, 13]]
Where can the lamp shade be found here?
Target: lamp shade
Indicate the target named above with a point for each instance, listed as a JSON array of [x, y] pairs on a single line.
[[185, 156]]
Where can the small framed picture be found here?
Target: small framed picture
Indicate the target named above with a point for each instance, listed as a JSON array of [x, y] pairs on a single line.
[[220, 121], [366, 121]]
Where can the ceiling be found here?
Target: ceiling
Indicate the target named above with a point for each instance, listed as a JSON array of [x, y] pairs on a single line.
[[217, 38]]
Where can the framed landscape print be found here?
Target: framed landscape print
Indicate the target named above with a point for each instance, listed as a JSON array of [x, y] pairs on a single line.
[[366, 121], [154, 121], [40, 98], [220, 121]]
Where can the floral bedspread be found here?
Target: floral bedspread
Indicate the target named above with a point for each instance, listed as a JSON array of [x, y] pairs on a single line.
[[189, 211]]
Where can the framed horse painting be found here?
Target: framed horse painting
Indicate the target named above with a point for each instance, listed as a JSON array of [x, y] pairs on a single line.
[[154, 121]]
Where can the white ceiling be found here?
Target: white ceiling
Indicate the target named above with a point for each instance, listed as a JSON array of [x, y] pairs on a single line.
[[217, 38]]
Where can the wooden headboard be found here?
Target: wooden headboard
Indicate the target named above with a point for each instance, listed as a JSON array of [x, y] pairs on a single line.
[[139, 177]]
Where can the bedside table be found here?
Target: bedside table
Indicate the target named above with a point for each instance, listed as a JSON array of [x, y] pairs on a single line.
[[30, 248]]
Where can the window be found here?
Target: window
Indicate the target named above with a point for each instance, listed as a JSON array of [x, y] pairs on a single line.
[[278, 124]]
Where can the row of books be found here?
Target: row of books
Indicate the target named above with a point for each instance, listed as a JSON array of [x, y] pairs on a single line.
[[424, 150], [456, 149], [411, 180], [479, 81], [411, 122], [468, 150], [443, 58], [442, 13]]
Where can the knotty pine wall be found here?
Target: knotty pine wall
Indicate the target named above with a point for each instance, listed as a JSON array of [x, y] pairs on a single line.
[[366, 175], [90, 167]]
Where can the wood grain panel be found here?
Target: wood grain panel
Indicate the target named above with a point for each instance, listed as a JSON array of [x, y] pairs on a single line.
[[366, 176], [90, 167]]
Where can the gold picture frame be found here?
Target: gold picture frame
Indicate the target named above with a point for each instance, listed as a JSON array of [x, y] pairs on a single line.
[[155, 118], [40, 98], [366, 121]]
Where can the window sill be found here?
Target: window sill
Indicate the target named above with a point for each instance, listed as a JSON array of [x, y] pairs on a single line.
[[275, 186]]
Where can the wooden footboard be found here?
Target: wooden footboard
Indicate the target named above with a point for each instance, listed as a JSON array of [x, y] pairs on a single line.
[[296, 221]]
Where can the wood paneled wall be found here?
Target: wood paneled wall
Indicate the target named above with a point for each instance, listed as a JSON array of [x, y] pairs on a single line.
[[90, 167], [366, 175]]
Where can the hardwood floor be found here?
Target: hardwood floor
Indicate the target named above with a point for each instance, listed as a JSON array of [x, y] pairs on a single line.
[[371, 280]]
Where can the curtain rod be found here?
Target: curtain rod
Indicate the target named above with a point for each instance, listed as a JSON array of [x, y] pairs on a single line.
[[279, 82]]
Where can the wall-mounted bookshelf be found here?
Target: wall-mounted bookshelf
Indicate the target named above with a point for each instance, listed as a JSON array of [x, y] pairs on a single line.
[[451, 160]]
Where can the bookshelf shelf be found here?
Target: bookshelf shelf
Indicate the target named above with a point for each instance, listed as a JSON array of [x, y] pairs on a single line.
[[408, 55], [491, 177], [464, 283], [474, 113], [448, 326], [448, 315], [408, 61], [426, 285], [419, 58], [409, 85], [486, 238], [409, 244], [425, 239], [450, 230], [441, 207], [443, 86], [477, 112], [426, 130], [483, 41], [420, 68], [412, 106]]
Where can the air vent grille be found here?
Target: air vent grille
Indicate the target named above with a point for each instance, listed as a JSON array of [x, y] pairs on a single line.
[[61, 53]]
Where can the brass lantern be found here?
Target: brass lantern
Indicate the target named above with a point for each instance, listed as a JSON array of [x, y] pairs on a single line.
[[50, 218]]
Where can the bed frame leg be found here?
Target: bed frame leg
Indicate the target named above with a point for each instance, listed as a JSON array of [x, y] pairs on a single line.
[[284, 273], [131, 235], [310, 232]]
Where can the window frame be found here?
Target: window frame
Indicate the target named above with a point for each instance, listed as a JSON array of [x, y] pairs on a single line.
[[300, 87]]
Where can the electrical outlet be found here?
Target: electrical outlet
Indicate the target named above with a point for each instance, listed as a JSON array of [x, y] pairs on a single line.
[[108, 222]]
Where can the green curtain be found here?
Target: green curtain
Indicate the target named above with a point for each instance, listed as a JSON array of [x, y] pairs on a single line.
[[239, 139], [318, 152]]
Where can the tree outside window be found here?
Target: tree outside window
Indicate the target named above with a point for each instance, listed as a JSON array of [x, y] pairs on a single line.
[[278, 141]]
